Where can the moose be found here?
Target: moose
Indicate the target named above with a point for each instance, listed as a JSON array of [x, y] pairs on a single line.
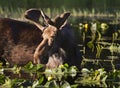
[[52, 44]]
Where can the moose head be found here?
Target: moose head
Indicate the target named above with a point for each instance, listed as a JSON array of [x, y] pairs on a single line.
[[58, 43]]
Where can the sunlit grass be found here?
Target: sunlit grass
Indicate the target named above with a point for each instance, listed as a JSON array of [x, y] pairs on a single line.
[[18, 12]]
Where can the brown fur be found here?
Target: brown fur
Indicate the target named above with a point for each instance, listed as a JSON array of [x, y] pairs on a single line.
[[48, 37], [18, 40]]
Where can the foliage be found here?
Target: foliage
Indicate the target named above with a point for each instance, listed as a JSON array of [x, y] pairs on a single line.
[[62, 77], [98, 33], [92, 77], [50, 78]]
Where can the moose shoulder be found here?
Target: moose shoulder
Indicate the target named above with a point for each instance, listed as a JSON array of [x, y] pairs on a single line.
[[18, 41]]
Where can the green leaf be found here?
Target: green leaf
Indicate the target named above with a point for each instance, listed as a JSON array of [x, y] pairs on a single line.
[[2, 79], [65, 84], [41, 79], [29, 66], [59, 73], [66, 65], [85, 70], [104, 78], [17, 82], [75, 86], [64, 69], [90, 45], [40, 67], [73, 71], [48, 72], [52, 84], [7, 84], [35, 83]]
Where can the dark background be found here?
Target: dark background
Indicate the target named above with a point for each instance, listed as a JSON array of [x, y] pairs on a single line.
[[102, 5]]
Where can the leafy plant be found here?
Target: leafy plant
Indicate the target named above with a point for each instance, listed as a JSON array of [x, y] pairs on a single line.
[[92, 77]]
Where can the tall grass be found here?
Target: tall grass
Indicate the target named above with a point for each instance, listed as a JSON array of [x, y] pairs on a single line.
[[11, 12], [18, 12]]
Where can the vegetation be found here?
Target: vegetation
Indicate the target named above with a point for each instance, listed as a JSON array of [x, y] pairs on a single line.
[[61, 77]]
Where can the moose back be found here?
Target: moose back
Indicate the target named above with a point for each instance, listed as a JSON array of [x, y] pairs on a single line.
[[18, 41]]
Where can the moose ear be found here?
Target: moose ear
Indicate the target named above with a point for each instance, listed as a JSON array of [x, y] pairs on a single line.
[[60, 20], [46, 18]]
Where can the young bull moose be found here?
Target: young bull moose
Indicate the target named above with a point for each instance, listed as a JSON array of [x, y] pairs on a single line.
[[58, 43], [19, 39]]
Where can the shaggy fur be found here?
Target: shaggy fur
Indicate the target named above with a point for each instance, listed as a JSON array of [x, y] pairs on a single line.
[[18, 41]]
